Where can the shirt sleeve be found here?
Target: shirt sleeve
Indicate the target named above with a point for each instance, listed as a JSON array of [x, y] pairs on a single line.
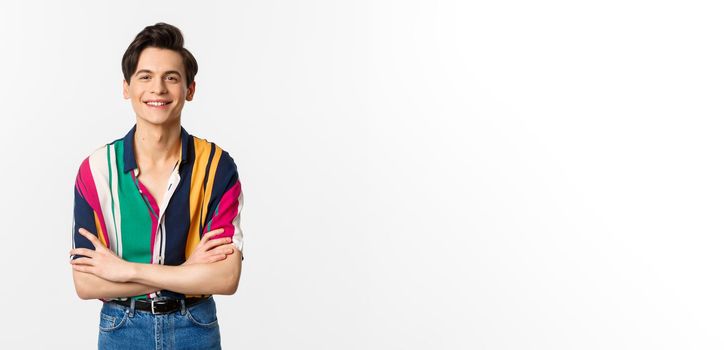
[[227, 210], [83, 214]]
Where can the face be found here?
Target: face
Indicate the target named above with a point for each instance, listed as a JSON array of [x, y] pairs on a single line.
[[157, 89]]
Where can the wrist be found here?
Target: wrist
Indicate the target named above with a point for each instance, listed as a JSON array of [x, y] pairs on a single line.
[[133, 272]]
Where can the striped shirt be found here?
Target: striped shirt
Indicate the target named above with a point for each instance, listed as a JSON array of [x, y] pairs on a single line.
[[203, 194]]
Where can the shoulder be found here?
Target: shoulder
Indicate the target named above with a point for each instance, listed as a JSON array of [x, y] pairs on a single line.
[[97, 159], [214, 154]]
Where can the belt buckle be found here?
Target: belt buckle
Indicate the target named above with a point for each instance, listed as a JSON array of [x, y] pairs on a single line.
[[153, 306]]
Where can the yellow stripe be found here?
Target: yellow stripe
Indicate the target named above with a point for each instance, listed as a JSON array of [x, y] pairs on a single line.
[[98, 229], [210, 182], [202, 148]]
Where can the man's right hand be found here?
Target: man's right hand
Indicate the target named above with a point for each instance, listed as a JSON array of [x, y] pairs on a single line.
[[211, 250]]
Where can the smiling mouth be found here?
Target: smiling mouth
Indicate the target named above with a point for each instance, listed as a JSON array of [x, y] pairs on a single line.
[[157, 103]]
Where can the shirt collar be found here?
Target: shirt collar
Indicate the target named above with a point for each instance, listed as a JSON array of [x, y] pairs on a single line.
[[129, 158]]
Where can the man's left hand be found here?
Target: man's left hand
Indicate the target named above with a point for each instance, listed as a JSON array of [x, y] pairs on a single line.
[[101, 262]]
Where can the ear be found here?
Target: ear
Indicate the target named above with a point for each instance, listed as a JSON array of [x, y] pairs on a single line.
[[125, 89], [190, 91]]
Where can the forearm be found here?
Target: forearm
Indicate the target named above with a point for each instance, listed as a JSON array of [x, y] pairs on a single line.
[[221, 277], [90, 286]]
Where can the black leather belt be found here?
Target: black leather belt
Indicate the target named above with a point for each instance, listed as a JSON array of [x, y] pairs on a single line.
[[162, 306]]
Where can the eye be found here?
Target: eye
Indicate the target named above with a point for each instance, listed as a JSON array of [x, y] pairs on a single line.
[[144, 77], [172, 78]]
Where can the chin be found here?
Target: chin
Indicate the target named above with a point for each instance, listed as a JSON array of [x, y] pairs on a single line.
[[157, 120]]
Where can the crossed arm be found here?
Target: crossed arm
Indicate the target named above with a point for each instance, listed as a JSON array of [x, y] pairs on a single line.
[[213, 268]]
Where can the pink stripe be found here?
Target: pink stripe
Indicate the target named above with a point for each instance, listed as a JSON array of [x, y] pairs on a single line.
[[86, 186], [228, 209], [154, 221]]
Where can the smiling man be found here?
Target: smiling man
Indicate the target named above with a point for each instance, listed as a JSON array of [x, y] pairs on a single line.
[[156, 226]]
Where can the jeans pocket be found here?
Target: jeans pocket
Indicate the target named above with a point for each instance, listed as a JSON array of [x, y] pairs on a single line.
[[112, 318], [203, 314]]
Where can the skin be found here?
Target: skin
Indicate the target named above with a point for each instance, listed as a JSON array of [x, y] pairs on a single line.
[[160, 74], [221, 277], [215, 265]]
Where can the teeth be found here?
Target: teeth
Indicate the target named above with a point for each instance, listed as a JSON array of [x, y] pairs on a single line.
[[156, 103]]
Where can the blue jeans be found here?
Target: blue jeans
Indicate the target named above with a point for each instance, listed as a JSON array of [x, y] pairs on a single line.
[[195, 327]]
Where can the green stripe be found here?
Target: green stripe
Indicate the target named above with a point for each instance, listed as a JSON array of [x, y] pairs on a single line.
[[216, 212], [135, 221]]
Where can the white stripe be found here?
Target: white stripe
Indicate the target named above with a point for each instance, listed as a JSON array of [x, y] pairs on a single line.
[[159, 254], [99, 169], [156, 244], [163, 242], [117, 205], [238, 238], [72, 231]]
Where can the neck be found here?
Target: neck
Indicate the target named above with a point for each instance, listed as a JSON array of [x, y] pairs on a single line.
[[157, 144]]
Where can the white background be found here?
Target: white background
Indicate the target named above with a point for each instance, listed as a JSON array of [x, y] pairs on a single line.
[[417, 174]]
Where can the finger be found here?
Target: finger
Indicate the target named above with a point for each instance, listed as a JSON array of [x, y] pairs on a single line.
[[213, 233], [207, 236], [82, 261], [83, 251], [217, 257], [224, 249], [217, 242], [91, 237]]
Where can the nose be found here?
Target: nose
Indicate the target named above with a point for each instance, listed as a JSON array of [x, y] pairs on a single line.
[[159, 87]]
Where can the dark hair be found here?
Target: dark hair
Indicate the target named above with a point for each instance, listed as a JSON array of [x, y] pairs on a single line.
[[163, 36]]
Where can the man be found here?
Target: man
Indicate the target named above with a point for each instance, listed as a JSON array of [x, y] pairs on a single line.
[[156, 229]]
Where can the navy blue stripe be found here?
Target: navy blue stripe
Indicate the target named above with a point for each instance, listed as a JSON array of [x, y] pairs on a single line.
[[225, 178], [83, 216]]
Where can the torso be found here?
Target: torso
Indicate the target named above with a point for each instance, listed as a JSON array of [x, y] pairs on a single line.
[[156, 179], [108, 200]]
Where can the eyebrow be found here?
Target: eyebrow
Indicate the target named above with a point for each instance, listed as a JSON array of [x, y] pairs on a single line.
[[164, 73]]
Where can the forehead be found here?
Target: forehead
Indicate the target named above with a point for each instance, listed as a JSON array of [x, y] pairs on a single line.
[[160, 60]]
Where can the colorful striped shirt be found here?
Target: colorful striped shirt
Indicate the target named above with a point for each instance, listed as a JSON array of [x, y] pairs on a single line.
[[203, 194]]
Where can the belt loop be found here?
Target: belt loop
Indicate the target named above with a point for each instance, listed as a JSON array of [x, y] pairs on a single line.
[[183, 307], [133, 307]]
